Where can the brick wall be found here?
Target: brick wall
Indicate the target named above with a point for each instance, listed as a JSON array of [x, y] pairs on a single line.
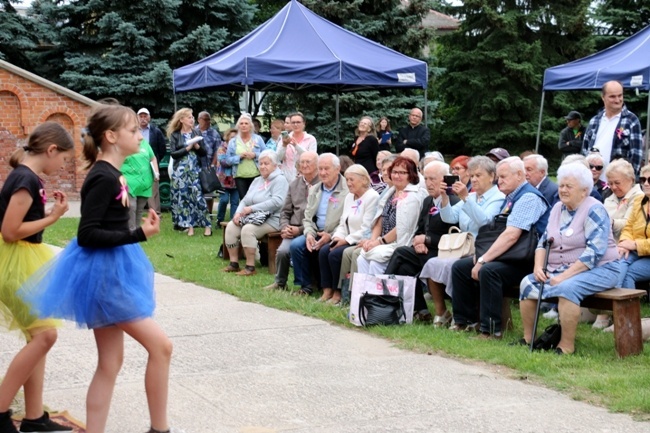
[[24, 104]]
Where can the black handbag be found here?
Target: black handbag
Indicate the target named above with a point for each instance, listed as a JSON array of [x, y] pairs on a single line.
[[549, 339], [384, 309], [522, 250], [209, 180]]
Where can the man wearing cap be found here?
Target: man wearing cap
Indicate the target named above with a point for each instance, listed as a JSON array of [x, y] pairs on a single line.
[[572, 136], [414, 135], [498, 154], [615, 131], [156, 140]]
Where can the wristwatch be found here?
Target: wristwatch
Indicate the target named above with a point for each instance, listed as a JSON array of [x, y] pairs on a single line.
[[480, 261]]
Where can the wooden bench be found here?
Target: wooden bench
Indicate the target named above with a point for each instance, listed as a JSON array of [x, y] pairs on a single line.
[[625, 305], [271, 240]]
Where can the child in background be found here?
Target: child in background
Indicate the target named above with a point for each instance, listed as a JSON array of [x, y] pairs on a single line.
[[103, 280], [22, 221]]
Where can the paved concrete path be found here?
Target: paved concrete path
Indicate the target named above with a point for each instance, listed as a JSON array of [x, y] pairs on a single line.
[[245, 368]]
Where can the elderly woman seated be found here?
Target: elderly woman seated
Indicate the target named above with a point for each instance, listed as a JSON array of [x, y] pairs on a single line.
[[258, 213], [396, 218], [358, 212], [474, 210], [582, 258], [634, 244]]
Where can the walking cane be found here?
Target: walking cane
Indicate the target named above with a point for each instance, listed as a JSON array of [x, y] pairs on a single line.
[[547, 246]]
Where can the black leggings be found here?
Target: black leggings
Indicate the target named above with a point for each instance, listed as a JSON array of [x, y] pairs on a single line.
[[243, 183]]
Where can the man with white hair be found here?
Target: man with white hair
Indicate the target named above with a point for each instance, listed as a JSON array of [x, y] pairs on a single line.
[[409, 260], [526, 208], [322, 215], [536, 167]]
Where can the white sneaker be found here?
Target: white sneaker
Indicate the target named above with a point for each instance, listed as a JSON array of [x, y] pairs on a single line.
[[551, 314]]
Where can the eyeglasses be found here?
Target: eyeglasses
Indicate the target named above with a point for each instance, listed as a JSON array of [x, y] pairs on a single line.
[[399, 173], [459, 168], [596, 167], [643, 180], [297, 122]]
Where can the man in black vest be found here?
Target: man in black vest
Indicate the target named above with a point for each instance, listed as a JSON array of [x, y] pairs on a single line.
[[484, 278]]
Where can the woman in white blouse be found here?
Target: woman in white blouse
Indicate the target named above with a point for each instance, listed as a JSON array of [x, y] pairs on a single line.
[[358, 212]]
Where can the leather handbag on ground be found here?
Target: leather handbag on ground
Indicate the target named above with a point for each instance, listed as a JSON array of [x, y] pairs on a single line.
[[362, 284], [385, 309], [549, 339], [257, 217], [209, 180], [522, 250], [456, 244]]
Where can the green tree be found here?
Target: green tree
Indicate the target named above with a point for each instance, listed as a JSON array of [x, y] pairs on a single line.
[[494, 67], [387, 22], [17, 35], [127, 50], [617, 19]]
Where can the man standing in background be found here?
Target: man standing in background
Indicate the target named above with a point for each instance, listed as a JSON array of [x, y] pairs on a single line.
[[156, 140]]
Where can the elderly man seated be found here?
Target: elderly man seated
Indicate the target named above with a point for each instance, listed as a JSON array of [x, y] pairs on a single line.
[[322, 215], [292, 214], [582, 259], [484, 278], [409, 260]]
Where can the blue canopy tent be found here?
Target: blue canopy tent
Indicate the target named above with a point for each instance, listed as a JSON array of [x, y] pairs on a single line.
[[297, 50], [627, 62]]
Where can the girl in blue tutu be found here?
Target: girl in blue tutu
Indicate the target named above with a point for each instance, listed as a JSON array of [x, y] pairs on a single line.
[[103, 280], [22, 221]]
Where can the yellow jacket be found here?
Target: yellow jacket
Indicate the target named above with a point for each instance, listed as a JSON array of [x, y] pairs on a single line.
[[637, 227]]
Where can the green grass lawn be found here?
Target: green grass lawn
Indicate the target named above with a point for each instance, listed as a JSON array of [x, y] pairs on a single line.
[[593, 375]]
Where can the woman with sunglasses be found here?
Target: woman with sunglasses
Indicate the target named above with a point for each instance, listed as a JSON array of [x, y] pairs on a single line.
[[597, 165], [634, 243], [622, 182]]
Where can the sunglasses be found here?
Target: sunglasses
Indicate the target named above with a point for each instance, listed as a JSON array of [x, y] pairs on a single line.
[[596, 167], [643, 180]]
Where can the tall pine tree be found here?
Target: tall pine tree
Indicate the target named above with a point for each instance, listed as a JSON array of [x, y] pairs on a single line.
[[18, 35], [494, 66], [127, 49]]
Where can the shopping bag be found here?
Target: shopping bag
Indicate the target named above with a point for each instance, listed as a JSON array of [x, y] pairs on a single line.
[[374, 285]]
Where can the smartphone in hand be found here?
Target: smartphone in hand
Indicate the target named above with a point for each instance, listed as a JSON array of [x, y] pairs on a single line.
[[450, 180]]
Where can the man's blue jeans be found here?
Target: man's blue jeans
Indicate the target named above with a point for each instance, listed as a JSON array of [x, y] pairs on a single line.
[[301, 259]]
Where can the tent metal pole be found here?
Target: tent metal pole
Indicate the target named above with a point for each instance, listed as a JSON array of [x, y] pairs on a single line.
[[647, 131], [246, 98], [426, 110], [539, 123], [175, 108], [337, 124]]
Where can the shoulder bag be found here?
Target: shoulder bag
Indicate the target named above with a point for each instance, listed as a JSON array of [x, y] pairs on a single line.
[[209, 180], [522, 250], [456, 244], [384, 309]]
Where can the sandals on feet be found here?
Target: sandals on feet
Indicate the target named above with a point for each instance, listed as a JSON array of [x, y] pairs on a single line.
[[442, 321], [231, 268], [302, 292], [247, 272]]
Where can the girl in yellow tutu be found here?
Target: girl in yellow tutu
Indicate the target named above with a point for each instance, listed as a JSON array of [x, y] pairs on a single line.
[[22, 221]]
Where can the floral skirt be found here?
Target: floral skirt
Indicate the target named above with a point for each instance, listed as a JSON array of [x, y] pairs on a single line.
[[188, 205], [18, 261], [94, 287]]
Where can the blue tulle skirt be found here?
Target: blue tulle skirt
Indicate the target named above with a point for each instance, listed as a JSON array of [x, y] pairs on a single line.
[[94, 287]]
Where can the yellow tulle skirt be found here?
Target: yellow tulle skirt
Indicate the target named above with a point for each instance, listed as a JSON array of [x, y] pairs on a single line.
[[18, 261]]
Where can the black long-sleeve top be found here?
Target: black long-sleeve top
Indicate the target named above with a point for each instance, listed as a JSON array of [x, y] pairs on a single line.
[[104, 219], [416, 138]]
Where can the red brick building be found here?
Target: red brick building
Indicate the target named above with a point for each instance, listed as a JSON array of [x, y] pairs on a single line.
[[27, 100]]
